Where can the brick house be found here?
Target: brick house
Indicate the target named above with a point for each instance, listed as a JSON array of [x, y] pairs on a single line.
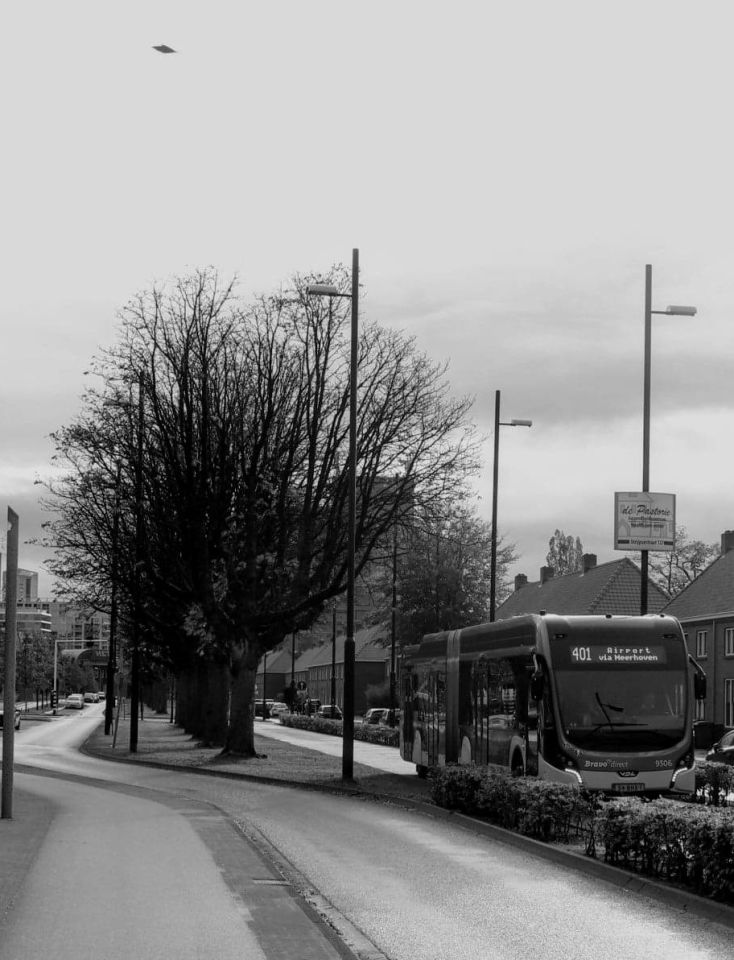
[[313, 667], [612, 587], [705, 609]]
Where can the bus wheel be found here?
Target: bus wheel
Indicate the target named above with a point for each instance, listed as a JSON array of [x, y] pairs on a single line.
[[421, 771], [517, 767]]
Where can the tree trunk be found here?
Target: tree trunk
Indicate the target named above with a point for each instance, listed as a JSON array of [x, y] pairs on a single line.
[[241, 732], [214, 704]]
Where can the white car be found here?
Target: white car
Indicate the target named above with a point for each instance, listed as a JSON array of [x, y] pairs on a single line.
[[75, 701], [277, 709]]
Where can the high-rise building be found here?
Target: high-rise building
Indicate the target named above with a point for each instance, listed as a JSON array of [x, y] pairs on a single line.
[[27, 586]]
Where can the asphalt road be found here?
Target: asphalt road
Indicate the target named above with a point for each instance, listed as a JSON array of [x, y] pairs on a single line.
[[392, 883], [123, 870]]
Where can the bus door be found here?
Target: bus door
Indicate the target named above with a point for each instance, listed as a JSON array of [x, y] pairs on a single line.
[[406, 721], [499, 723], [425, 712]]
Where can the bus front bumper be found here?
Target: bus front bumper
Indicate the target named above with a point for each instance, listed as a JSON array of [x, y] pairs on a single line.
[[681, 781]]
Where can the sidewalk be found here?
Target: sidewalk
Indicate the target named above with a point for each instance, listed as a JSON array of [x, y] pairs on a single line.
[[161, 743]]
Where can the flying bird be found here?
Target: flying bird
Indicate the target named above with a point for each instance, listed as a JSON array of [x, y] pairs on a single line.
[[164, 48]]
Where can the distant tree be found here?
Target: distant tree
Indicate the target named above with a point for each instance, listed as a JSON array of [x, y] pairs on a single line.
[[565, 555], [674, 570], [443, 574]]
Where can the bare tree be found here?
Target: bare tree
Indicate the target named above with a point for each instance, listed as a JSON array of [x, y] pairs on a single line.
[[245, 466], [442, 572], [674, 570]]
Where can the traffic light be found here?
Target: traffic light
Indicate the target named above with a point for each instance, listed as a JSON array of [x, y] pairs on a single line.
[[54, 698]]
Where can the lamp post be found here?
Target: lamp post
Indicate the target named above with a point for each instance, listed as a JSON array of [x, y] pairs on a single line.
[[327, 290], [393, 622], [672, 311], [493, 562], [138, 591], [56, 675], [112, 646], [11, 631], [332, 700]]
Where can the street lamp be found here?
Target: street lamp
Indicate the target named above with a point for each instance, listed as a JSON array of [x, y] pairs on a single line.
[[330, 291], [112, 645], [138, 591], [493, 563], [672, 311]]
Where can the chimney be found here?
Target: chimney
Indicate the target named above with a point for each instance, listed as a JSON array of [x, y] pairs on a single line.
[[546, 573], [589, 561], [727, 541], [520, 581]]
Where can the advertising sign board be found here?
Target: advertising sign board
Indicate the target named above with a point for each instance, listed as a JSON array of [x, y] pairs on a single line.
[[644, 521]]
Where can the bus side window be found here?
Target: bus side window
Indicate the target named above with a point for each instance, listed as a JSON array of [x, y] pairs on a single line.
[[465, 694]]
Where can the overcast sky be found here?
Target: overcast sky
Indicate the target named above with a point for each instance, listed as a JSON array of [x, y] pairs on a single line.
[[505, 169]]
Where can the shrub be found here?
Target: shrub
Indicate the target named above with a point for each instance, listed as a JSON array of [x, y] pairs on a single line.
[[684, 843], [536, 808], [386, 736], [373, 733], [669, 840]]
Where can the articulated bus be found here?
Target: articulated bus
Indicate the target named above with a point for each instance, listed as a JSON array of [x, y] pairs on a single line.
[[600, 702]]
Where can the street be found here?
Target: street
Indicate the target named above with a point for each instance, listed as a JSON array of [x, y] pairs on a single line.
[[393, 883]]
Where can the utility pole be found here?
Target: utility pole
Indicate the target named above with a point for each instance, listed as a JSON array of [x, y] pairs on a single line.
[[138, 605], [11, 626], [112, 652]]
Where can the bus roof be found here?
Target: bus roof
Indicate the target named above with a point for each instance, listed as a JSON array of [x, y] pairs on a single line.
[[520, 633]]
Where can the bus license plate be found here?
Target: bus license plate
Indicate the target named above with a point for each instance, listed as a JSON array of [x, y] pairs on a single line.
[[628, 787]]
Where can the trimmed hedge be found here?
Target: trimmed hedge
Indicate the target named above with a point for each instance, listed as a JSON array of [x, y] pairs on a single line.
[[536, 808], [681, 843], [686, 843], [370, 733]]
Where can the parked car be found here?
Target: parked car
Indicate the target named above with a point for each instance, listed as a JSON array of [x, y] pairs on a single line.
[[16, 722], [723, 750], [90, 697], [377, 715], [262, 708], [75, 701], [330, 711], [278, 708], [501, 720]]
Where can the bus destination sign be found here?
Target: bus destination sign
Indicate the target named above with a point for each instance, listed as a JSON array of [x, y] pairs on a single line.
[[619, 654]]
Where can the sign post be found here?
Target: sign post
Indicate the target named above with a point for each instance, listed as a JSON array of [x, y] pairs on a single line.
[[644, 521]]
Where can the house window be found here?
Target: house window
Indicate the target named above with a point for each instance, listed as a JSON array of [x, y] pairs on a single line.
[[729, 703], [700, 710], [729, 642], [701, 644]]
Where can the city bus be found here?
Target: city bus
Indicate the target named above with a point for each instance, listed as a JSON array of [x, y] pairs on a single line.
[[603, 703]]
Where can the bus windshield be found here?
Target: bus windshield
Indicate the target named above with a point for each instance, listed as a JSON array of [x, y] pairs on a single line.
[[621, 696]]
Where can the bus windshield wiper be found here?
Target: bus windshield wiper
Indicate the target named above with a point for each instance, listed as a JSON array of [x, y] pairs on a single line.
[[610, 706], [619, 723], [603, 706]]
